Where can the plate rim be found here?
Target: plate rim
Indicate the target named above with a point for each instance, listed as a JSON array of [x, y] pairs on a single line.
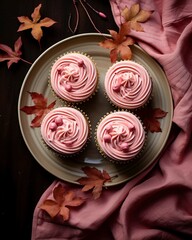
[[66, 40]]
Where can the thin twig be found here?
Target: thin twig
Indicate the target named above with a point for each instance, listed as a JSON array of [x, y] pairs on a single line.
[[101, 14], [77, 18], [89, 17]]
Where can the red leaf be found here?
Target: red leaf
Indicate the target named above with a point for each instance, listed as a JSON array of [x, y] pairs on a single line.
[[12, 56], [62, 200], [150, 118], [35, 24], [40, 108], [119, 43], [95, 180]]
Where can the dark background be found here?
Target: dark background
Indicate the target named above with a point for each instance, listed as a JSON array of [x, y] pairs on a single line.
[[22, 179]]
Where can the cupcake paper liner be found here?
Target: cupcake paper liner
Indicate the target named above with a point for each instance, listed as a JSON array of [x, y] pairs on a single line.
[[67, 156], [115, 105], [117, 161], [65, 101]]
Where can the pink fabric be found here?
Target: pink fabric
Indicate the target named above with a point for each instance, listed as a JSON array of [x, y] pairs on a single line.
[[157, 204]]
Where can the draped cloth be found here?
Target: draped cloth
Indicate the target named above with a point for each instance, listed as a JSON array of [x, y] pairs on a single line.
[[156, 204]]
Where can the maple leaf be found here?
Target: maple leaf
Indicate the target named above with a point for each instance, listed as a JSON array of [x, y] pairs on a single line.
[[134, 15], [40, 109], [119, 43], [63, 199], [150, 118], [35, 24], [12, 56], [95, 180]]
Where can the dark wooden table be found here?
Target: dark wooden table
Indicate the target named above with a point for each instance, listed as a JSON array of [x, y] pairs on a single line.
[[23, 180]]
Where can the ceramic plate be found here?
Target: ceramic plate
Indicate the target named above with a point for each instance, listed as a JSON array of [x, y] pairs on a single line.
[[70, 169]]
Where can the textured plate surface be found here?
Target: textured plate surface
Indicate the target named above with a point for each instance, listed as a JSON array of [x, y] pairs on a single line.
[[69, 169]]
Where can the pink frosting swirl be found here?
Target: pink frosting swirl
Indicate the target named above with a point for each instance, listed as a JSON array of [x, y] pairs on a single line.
[[74, 77], [120, 135], [65, 130], [128, 84]]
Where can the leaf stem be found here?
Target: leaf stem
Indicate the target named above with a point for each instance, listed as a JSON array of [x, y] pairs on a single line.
[[25, 61], [115, 176]]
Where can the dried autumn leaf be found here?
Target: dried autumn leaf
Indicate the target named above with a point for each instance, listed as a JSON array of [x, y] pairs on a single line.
[[119, 43], [95, 180], [40, 108], [134, 15], [35, 24], [12, 56], [150, 118], [63, 199]]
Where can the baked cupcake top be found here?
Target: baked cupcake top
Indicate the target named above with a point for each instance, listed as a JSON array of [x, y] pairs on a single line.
[[120, 136], [65, 130], [128, 84], [73, 77]]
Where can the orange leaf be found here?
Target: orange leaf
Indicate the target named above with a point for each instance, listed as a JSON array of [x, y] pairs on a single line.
[[40, 108], [95, 180], [129, 13], [119, 43], [150, 118], [51, 207], [35, 24], [134, 15], [62, 200]]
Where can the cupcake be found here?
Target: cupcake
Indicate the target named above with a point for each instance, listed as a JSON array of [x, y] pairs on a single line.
[[74, 77], [128, 85], [120, 136], [65, 130]]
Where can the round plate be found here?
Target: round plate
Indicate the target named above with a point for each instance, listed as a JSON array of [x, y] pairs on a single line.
[[70, 169]]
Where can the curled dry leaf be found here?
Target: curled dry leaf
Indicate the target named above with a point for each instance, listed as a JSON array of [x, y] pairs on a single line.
[[119, 43], [135, 15], [40, 108], [150, 117], [94, 181], [35, 24], [12, 56], [60, 205]]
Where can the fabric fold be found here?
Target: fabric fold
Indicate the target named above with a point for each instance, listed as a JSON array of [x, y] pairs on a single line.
[[157, 203]]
